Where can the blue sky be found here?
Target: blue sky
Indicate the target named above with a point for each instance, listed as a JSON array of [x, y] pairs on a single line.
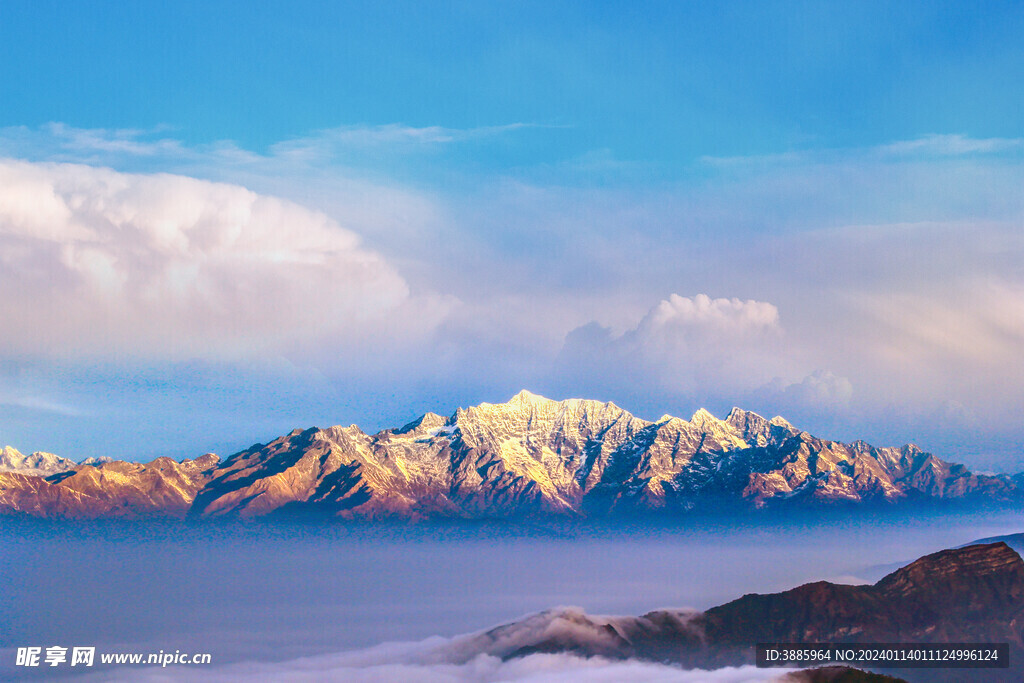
[[223, 220], [658, 83]]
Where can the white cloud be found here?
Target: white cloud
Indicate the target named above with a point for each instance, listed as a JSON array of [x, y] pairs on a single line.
[[424, 661], [348, 144], [935, 145], [96, 261], [684, 345], [680, 315], [952, 145], [38, 403], [117, 141], [329, 142]]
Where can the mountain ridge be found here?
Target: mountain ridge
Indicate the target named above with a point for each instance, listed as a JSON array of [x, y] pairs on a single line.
[[528, 456], [969, 594]]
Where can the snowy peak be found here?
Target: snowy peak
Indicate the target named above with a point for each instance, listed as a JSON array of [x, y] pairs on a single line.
[[758, 431], [422, 425], [536, 418], [702, 417], [526, 405], [523, 401], [525, 397], [37, 464], [709, 424], [11, 457]]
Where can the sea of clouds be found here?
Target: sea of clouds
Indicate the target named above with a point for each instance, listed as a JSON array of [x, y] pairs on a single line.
[[439, 660]]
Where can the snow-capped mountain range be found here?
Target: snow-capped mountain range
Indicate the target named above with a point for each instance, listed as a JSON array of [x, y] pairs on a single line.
[[528, 456]]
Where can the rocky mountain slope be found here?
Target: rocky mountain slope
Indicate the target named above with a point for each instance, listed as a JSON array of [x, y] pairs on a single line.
[[110, 489], [529, 456], [971, 594]]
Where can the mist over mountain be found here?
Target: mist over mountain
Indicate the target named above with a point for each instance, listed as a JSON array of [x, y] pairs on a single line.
[[530, 456], [969, 594]]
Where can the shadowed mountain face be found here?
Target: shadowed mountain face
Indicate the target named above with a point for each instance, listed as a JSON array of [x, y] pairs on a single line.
[[971, 594], [529, 456]]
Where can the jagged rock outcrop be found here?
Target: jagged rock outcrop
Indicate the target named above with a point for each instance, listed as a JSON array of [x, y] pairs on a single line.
[[528, 456]]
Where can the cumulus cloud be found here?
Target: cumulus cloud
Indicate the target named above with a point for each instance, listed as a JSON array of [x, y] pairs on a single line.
[[681, 316], [93, 260], [684, 345]]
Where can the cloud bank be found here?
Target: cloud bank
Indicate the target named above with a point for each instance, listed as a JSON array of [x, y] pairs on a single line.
[[426, 661], [96, 261]]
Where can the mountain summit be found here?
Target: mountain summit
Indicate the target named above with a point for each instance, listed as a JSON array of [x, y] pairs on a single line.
[[528, 456]]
